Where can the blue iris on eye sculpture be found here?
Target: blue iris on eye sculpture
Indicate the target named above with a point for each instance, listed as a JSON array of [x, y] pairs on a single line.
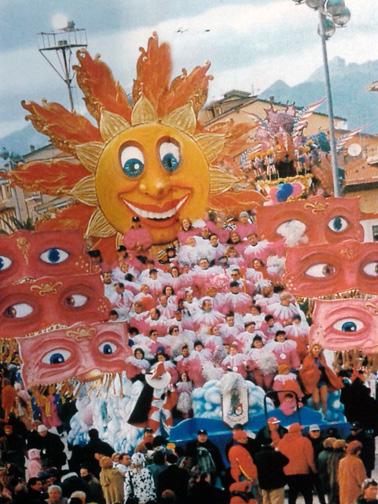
[[169, 153], [132, 161], [54, 255], [349, 325], [5, 262], [57, 356], [107, 348], [338, 224]]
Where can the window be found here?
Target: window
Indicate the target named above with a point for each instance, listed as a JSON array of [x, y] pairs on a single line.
[[375, 233]]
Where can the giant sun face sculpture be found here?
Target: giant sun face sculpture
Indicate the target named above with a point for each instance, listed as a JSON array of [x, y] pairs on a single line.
[[154, 171], [147, 156]]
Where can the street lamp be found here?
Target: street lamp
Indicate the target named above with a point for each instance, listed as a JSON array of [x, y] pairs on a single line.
[[332, 14]]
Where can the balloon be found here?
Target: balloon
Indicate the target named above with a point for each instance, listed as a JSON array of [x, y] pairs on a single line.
[[284, 192]]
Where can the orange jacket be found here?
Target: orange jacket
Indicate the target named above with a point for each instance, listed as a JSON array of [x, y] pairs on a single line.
[[242, 465], [300, 453]]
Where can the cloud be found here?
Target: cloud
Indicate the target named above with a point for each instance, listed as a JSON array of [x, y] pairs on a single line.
[[249, 44]]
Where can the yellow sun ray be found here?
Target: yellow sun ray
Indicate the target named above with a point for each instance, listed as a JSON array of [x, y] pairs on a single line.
[[112, 124], [88, 154], [85, 191], [182, 118], [220, 181], [99, 226], [211, 143], [143, 112]]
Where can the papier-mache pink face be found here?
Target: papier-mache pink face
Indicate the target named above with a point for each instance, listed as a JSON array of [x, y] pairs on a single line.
[[27, 254], [82, 351], [323, 270], [33, 306], [346, 324], [326, 220]]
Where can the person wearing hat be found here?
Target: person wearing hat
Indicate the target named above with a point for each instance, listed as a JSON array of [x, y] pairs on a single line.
[[241, 462], [12, 448], [50, 446], [367, 439], [270, 465], [139, 481], [245, 227], [351, 473], [298, 449], [197, 451], [251, 444], [273, 430]]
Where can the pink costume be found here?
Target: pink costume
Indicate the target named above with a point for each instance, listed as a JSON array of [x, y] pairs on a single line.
[[264, 365], [145, 299], [137, 239], [238, 303], [33, 463], [195, 363], [270, 331], [220, 232], [283, 313], [138, 320], [230, 333], [182, 235], [264, 301], [285, 383], [262, 250], [285, 353], [244, 230], [136, 366], [245, 339], [202, 319], [236, 363], [159, 325], [184, 402], [299, 334]]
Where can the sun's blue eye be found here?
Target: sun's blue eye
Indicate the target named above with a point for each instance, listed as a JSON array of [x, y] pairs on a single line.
[[107, 348], [54, 255], [132, 161], [5, 263], [169, 153], [57, 356], [348, 325]]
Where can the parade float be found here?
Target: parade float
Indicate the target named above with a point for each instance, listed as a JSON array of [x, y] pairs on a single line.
[[147, 158]]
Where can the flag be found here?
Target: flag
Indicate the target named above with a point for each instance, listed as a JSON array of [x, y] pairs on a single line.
[[341, 141], [302, 116]]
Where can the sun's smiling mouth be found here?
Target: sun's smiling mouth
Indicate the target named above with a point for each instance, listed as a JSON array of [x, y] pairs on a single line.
[[156, 213]]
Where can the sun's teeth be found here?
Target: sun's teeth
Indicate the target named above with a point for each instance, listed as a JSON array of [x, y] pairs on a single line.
[[156, 215]]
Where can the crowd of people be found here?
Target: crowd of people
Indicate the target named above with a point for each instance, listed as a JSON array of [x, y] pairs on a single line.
[[209, 304]]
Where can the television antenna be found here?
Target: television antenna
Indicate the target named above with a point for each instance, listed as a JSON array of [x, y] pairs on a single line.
[[61, 42]]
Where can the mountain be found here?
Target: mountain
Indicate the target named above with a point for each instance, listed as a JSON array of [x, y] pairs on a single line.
[[20, 141], [351, 98]]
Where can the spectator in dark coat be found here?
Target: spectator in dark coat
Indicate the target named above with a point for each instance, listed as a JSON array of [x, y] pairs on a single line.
[[272, 479], [322, 464], [203, 492], [173, 478], [359, 405], [50, 446], [12, 447], [272, 431], [193, 450], [95, 445], [315, 436], [35, 492], [367, 438]]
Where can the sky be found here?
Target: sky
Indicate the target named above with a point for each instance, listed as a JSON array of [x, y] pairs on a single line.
[[250, 43]]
